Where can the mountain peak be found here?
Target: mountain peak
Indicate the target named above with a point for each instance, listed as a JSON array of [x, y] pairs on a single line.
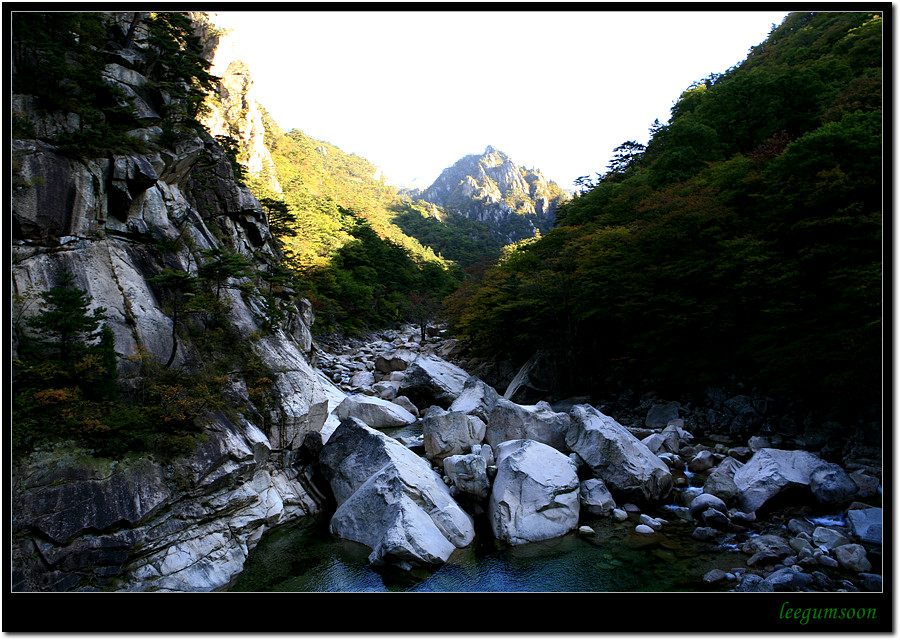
[[515, 202]]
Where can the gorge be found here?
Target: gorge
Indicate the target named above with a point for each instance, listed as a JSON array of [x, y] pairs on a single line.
[[189, 383]]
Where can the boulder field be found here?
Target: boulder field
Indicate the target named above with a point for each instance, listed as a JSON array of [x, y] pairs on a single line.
[[537, 472]]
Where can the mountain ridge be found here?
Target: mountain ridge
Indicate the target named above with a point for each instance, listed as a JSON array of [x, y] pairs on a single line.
[[515, 202]]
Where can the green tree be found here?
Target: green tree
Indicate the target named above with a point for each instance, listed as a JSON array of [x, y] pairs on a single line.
[[64, 322], [222, 267], [181, 285]]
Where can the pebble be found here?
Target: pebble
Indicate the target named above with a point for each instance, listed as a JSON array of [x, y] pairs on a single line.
[[644, 529]]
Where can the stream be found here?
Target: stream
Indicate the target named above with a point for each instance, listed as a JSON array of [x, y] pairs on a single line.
[[304, 556]]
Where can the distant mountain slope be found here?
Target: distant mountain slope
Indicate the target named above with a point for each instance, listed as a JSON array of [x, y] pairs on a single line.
[[513, 201]]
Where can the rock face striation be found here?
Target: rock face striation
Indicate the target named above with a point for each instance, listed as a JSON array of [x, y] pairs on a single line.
[[115, 221], [514, 202]]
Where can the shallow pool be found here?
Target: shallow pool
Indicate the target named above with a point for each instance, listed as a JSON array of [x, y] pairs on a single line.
[[304, 556]]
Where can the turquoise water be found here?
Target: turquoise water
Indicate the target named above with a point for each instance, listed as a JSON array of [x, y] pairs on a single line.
[[305, 557]]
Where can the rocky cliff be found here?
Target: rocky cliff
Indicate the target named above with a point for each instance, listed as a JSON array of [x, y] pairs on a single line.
[[236, 113], [515, 202], [115, 219]]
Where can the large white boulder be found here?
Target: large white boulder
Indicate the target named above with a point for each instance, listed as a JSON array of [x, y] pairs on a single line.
[[617, 457], [477, 398], [511, 421], [449, 433], [375, 412], [390, 499], [771, 472], [431, 380], [535, 493]]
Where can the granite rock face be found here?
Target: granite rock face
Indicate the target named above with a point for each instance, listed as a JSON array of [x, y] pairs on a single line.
[[514, 202], [115, 221]]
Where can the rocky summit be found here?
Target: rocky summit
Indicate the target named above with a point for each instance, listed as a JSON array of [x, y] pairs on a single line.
[[514, 202]]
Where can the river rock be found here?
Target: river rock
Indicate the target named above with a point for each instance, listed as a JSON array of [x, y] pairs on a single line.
[[596, 498], [871, 581], [644, 529], [477, 398], [535, 493], [511, 421], [375, 412], [404, 402], [773, 471], [660, 415], [390, 499], [867, 484], [394, 361], [720, 481], [831, 485], [469, 473], [616, 456], [704, 534], [750, 582], [385, 390], [362, 379], [448, 433], [714, 576], [701, 462], [788, 580], [703, 502], [829, 539], [431, 380], [766, 549], [853, 558], [866, 524]]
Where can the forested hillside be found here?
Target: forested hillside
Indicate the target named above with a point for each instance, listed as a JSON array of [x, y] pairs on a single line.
[[744, 241], [334, 220]]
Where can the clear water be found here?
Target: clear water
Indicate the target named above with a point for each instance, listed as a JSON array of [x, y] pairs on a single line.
[[305, 557]]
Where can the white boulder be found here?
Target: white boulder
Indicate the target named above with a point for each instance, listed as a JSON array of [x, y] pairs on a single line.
[[616, 456], [535, 493]]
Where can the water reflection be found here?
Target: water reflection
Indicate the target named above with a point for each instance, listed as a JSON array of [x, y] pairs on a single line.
[[305, 557]]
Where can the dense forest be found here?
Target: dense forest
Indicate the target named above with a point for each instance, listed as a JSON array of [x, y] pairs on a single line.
[[364, 256], [744, 241]]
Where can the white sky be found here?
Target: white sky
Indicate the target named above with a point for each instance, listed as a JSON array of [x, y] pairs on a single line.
[[414, 91]]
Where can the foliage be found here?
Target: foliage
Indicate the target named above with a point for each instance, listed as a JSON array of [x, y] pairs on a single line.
[[58, 59], [61, 59], [745, 239], [452, 236], [182, 71], [339, 228], [65, 386]]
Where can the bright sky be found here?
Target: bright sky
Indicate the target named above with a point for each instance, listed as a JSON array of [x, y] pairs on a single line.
[[414, 91]]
